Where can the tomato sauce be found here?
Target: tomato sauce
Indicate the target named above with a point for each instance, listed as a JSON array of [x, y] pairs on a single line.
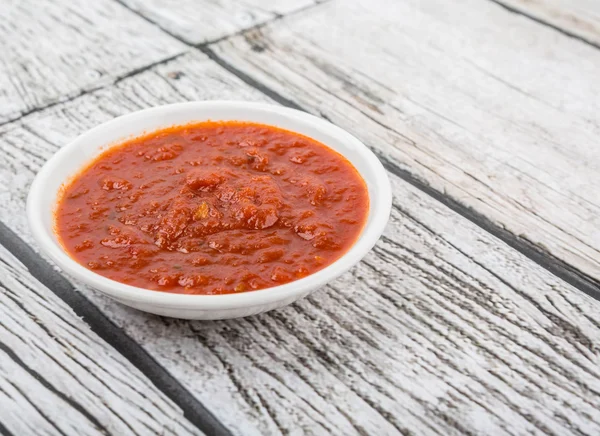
[[212, 208]]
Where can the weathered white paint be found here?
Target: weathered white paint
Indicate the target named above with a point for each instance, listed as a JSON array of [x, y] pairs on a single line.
[[58, 377], [579, 17], [485, 105], [441, 330], [52, 50], [201, 21]]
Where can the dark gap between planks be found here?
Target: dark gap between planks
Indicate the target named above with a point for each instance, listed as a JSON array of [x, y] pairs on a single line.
[[565, 32], [192, 409], [4, 431]]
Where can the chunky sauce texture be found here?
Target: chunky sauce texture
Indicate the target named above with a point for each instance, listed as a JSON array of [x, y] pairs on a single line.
[[212, 208]]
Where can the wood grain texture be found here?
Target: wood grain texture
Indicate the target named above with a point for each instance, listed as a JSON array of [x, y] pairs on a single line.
[[580, 18], [198, 22], [490, 108], [442, 329], [53, 50], [57, 377]]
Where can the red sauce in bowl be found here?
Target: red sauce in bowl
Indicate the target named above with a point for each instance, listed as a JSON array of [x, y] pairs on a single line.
[[212, 208]]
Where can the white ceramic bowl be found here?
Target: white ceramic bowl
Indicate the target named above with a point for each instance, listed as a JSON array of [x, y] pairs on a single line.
[[67, 161]]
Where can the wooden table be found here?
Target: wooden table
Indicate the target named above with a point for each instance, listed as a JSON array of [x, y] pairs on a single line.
[[476, 312]]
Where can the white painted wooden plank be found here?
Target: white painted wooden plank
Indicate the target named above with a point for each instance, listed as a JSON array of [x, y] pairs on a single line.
[[442, 329], [198, 22], [491, 108], [58, 377], [52, 50], [580, 18], [29, 408]]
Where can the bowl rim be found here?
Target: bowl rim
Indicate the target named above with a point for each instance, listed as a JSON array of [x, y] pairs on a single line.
[[120, 291]]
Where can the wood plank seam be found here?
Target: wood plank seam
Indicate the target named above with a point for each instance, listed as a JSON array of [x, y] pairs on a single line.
[[94, 89], [151, 21], [545, 23], [193, 410], [216, 40], [251, 81], [4, 431], [537, 254]]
